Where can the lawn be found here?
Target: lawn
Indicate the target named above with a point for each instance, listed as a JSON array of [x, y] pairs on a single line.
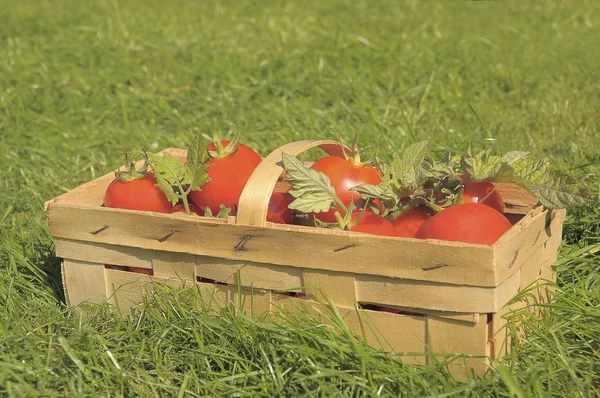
[[80, 82]]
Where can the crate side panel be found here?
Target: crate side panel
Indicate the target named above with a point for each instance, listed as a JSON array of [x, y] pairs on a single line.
[[306, 248], [516, 199], [454, 337], [128, 289], [174, 265], [265, 276], [103, 253], [250, 301], [337, 286], [432, 296], [404, 334], [467, 317], [518, 246], [83, 281]]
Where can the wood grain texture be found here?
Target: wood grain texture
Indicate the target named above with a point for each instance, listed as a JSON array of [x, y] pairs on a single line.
[[264, 276], [340, 288], [128, 289], [524, 239], [293, 245], [517, 200], [453, 337], [435, 296], [103, 253], [404, 334], [174, 265], [83, 281]]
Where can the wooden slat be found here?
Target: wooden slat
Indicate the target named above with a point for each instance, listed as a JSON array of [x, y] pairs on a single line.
[[467, 317], [453, 337], [435, 296], [103, 253], [83, 281], [174, 265], [338, 287], [517, 200], [313, 248], [518, 245], [402, 333], [127, 289], [265, 276], [250, 301], [254, 200]]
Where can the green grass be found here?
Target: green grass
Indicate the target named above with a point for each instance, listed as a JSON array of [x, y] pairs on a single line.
[[80, 82]]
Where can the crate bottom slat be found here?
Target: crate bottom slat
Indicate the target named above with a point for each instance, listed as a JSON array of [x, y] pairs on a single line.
[[411, 332]]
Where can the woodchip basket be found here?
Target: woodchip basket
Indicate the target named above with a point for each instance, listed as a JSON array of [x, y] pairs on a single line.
[[450, 297]]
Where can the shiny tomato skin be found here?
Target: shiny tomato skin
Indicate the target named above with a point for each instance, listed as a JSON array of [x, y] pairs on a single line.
[[483, 192], [408, 223], [228, 177], [344, 175], [374, 224], [467, 222], [139, 194], [180, 208], [140, 270], [278, 208]]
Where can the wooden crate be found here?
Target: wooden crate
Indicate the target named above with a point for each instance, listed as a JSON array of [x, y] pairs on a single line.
[[449, 297]]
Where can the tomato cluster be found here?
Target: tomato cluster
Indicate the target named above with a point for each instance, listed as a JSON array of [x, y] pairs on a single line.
[[473, 215]]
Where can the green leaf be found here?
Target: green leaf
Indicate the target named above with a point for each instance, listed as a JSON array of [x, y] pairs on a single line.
[[513, 157], [224, 211], [449, 166], [554, 188], [168, 172], [387, 192], [312, 189], [196, 167], [485, 166], [409, 168], [369, 191]]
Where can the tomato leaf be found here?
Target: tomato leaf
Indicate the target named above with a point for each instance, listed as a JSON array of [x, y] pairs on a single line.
[[224, 211], [409, 167], [554, 188], [514, 157], [387, 192], [168, 172], [172, 177], [449, 166], [311, 189], [196, 167], [484, 166]]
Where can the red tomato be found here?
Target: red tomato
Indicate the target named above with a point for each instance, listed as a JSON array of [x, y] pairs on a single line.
[[483, 192], [408, 223], [115, 267], [278, 208], [372, 223], [138, 194], [228, 177], [467, 222], [180, 208], [344, 175], [140, 270]]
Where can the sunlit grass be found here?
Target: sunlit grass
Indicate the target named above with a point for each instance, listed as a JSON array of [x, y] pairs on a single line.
[[80, 82]]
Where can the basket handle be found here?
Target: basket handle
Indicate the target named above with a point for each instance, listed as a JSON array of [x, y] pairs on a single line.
[[254, 200]]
